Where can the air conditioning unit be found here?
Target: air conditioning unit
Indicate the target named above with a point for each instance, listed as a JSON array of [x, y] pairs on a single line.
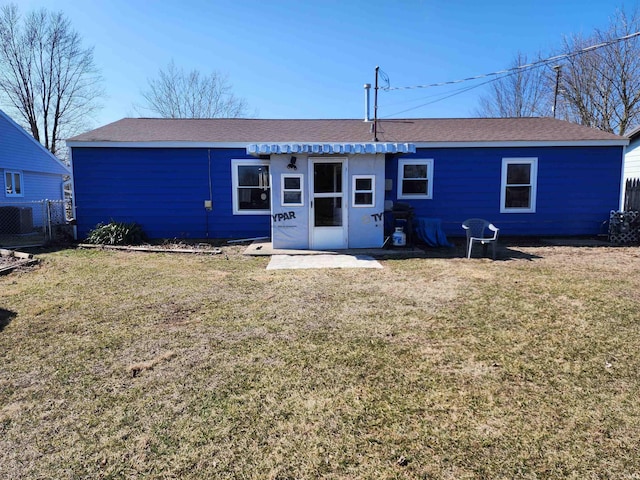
[[16, 220]]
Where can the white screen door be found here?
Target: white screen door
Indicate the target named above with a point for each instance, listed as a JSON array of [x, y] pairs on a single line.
[[328, 209]]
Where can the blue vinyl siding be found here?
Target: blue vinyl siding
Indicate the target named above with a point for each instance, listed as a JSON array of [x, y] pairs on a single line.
[[40, 186], [164, 190], [19, 151], [41, 173], [161, 189], [576, 189], [36, 188]]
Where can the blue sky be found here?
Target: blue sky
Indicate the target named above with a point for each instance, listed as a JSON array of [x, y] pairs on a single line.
[[310, 59]]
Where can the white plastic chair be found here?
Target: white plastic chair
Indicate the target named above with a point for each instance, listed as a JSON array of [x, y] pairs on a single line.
[[475, 228]]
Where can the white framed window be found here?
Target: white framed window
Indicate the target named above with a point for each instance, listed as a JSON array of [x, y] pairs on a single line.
[[251, 189], [363, 191], [415, 178], [13, 186], [518, 185], [292, 190]]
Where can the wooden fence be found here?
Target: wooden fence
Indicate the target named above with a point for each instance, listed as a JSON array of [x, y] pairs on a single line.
[[632, 195]]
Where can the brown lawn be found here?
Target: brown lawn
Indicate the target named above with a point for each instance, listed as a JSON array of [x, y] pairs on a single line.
[[127, 365]]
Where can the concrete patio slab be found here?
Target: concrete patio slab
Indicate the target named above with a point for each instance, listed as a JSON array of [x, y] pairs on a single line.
[[287, 262]]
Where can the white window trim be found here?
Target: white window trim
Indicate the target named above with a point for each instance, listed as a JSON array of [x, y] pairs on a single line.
[[13, 179], [284, 190], [533, 161], [416, 161], [234, 186], [354, 180]]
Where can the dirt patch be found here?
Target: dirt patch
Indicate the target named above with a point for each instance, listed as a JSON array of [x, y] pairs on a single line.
[[137, 368]]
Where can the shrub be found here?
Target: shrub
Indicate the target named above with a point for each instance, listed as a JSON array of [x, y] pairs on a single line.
[[117, 233]]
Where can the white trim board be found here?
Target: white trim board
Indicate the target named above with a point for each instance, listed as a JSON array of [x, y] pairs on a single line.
[[522, 143], [515, 143], [157, 144]]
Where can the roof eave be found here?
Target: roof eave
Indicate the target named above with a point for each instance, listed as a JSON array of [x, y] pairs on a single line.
[[153, 144], [418, 144], [524, 143], [634, 134], [55, 160]]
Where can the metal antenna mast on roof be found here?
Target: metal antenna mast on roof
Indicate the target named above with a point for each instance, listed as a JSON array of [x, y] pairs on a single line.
[[558, 69], [375, 108]]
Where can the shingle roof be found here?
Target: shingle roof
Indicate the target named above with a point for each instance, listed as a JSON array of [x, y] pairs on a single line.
[[344, 130]]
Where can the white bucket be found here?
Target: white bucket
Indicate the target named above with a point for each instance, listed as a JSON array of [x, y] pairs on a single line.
[[399, 237]]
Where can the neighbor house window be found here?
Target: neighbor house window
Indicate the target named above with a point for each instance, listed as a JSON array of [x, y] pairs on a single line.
[[13, 183], [251, 190], [292, 190], [363, 193], [518, 186], [415, 178]]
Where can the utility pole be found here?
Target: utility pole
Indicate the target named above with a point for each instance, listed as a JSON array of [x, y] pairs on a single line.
[[558, 69], [375, 109]]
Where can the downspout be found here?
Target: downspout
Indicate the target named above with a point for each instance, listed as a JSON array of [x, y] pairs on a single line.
[[208, 204]]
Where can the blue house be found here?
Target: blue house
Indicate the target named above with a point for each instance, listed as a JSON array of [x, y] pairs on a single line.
[[29, 173], [329, 184]]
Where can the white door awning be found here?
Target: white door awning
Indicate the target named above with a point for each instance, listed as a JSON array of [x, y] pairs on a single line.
[[329, 148]]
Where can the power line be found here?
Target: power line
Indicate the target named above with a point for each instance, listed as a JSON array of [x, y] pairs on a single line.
[[453, 94], [448, 93], [521, 67], [502, 74]]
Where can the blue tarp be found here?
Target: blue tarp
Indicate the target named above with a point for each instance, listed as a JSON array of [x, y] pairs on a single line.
[[429, 230]]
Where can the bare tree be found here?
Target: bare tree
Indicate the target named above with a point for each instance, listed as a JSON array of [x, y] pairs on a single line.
[[46, 76], [601, 87], [177, 94], [524, 92]]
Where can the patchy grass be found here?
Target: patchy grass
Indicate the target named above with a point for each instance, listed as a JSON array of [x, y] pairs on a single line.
[[121, 365]]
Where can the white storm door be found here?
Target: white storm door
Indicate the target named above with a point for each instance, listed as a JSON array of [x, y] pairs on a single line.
[[328, 208]]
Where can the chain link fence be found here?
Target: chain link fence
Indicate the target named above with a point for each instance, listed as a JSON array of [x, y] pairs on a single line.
[[34, 223]]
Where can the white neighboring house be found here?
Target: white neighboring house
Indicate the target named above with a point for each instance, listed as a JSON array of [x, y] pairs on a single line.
[[631, 161], [632, 155], [30, 173]]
